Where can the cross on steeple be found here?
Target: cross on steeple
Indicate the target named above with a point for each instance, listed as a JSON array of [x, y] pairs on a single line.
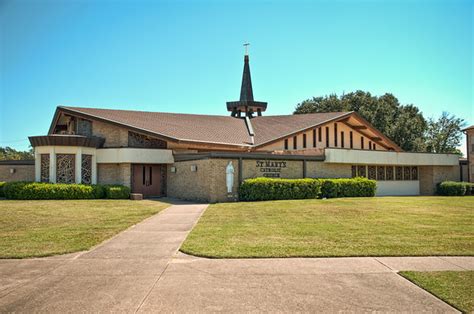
[[246, 45]]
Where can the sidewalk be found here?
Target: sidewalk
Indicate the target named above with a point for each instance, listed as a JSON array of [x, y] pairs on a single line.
[[140, 270]]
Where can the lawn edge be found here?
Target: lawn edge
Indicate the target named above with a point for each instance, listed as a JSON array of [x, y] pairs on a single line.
[[315, 256], [402, 274], [43, 256]]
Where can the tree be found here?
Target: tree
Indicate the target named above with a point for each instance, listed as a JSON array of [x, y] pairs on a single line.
[[8, 153], [444, 135], [405, 125]]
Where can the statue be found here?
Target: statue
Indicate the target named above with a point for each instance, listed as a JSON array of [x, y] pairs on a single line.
[[229, 176]]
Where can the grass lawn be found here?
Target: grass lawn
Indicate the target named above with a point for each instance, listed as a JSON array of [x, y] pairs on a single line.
[[453, 287], [380, 226], [43, 228]]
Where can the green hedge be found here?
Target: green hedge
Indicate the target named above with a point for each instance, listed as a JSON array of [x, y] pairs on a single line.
[[452, 188], [59, 191], [356, 187], [116, 191], [2, 185], [264, 189]]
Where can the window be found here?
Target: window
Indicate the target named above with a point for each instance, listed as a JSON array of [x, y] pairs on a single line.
[[351, 140], [295, 142], [399, 173], [372, 171], [361, 143], [304, 140], [314, 137], [414, 173], [380, 173], [65, 168], [370, 145], [361, 171], [342, 139], [406, 173], [320, 134], [327, 136], [44, 167], [86, 169], [389, 172], [373, 146], [335, 134], [286, 144], [354, 171]]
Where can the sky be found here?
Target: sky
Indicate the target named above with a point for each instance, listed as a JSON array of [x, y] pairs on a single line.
[[187, 56]]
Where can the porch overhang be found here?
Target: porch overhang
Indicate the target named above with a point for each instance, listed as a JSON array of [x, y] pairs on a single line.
[[135, 155], [66, 140]]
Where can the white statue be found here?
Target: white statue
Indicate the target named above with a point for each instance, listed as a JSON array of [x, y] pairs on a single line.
[[229, 176]]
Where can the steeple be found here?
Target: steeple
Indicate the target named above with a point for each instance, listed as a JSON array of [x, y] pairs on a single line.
[[246, 104]]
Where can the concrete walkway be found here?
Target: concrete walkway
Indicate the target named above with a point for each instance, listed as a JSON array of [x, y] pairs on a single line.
[[140, 270]]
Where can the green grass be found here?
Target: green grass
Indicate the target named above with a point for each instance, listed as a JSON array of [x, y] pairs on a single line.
[[381, 226], [43, 228], [453, 287]]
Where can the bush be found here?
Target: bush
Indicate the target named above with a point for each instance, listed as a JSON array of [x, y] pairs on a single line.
[[117, 192], [60, 191], [264, 189], [356, 187], [451, 188], [2, 185]]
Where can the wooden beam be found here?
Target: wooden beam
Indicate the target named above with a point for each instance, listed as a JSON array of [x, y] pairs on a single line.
[[359, 127]]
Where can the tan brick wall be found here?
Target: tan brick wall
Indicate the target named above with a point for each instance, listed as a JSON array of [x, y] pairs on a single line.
[[114, 136], [22, 173], [114, 174], [188, 185], [319, 169], [218, 181], [431, 175]]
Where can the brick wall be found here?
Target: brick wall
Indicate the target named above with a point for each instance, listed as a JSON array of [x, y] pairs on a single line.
[[188, 185], [22, 173], [319, 169], [431, 175], [114, 174], [114, 136]]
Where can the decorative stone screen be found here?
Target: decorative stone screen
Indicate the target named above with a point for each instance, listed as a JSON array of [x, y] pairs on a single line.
[[86, 169], [386, 173], [65, 164], [143, 141], [44, 167]]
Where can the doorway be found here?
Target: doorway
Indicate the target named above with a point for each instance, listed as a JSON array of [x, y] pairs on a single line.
[[147, 180]]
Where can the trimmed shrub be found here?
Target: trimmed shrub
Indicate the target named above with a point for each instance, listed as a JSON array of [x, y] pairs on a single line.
[[355, 187], [264, 189], [2, 185], [60, 191], [116, 191], [452, 188]]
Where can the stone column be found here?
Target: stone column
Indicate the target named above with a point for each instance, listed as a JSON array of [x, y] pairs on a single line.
[[78, 166], [52, 165], [37, 166]]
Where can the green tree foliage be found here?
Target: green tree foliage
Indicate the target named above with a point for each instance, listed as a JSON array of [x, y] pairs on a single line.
[[8, 153], [444, 135], [404, 124]]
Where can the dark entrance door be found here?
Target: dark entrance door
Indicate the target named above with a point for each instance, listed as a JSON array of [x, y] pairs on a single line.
[[146, 180]]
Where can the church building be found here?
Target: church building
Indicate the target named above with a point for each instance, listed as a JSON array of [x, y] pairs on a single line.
[[187, 155]]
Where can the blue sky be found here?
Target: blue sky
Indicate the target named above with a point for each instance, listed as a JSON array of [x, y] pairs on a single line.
[[187, 56]]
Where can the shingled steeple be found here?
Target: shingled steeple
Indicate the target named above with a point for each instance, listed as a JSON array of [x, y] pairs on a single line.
[[246, 104]]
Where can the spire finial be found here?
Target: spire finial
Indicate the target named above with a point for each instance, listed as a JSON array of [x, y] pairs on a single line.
[[246, 45]]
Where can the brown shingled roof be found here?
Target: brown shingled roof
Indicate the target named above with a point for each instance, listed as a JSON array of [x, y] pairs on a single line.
[[183, 127], [209, 128]]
